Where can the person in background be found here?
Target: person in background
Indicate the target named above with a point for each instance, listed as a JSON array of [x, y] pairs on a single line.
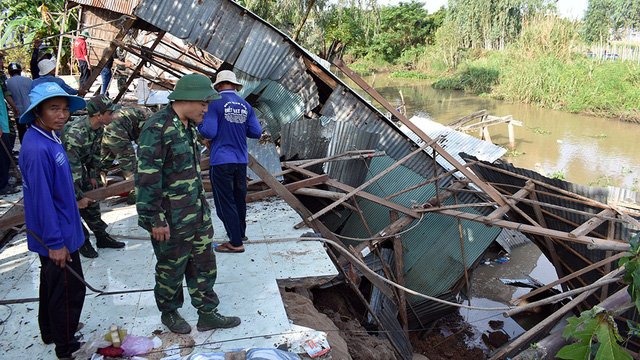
[[228, 123], [121, 68], [118, 139], [37, 55], [5, 133], [82, 139], [52, 217], [81, 54], [20, 87], [173, 209], [47, 69]]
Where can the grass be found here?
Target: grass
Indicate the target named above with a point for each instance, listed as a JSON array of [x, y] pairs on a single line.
[[408, 74]]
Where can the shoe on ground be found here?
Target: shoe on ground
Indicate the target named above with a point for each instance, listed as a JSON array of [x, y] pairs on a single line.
[[8, 190], [216, 321], [88, 251], [106, 241], [175, 322]]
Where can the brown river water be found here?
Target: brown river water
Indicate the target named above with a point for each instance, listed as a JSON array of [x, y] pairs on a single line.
[[587, 150]]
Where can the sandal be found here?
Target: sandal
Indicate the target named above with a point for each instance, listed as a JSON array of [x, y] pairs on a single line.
[[226, 248]]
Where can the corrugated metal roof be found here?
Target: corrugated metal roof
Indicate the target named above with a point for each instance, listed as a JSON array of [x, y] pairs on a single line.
[[263, 53], [305, 139], [267, 156], [433, 256], [511, 239], [454, 142], [119, 6], [347, 137]]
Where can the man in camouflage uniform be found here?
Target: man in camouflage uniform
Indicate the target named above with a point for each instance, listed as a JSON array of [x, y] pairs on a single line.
[[121, 68], [118, 138], [82, 140], [172, 207]]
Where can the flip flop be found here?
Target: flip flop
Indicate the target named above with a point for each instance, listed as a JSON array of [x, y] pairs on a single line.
[[224, 248]]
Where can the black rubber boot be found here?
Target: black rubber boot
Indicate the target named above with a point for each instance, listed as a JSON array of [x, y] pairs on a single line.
[[106, 241], [87, 250]]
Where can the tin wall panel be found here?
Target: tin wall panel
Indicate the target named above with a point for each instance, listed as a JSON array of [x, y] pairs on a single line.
[[119, 6]]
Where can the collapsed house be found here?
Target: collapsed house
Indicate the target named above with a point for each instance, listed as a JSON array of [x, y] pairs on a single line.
[[396, 192]]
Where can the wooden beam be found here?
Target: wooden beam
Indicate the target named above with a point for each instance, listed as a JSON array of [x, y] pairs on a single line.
[[160, 55], [592, 223], [399, 271], [138, 67], [490, 191], [549, 243], [365, 195], [502, 210], [465, 119], [371, 181], [316, 180], [323, 194], [349, 155], [399, 225], [16, 217], [317, 71], [592, 243]]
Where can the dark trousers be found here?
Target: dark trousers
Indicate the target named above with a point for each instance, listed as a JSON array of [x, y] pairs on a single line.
[[85, 72], [61, 300], [105, 74], [229, 183], [5, 162]]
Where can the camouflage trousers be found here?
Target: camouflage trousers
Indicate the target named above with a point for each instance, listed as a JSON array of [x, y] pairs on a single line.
[[187, 255], [122, 81], [91, 215]]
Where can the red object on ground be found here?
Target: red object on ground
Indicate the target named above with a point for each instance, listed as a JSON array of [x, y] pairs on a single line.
[[111, 351]]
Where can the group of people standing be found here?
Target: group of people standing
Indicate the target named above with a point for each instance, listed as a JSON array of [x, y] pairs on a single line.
[[59, 169]]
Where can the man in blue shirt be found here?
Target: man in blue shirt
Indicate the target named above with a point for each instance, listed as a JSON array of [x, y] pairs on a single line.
[[228, 123], [20, 87], [52, 216], [47, 69]]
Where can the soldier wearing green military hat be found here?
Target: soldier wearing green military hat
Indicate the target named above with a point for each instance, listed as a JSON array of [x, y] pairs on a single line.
[[82, 140], [172, 207]]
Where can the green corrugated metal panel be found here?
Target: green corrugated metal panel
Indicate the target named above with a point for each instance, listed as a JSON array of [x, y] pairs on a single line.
[[432, 256]]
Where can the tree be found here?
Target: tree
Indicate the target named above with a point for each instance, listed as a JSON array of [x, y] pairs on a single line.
[[492, 24], [606, 17]]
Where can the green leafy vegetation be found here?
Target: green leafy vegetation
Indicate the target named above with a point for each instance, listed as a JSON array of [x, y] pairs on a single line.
[[537, 130], [557, 175], [602, 181], [513, 153], [595, 330]]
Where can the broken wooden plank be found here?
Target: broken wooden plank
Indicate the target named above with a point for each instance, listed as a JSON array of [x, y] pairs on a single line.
[[363, 194], [317, 180], [502, 210], [371, 181], [489, 190], [592, 243], [17, 216], [592, 223], [465, 119], [349, 155], [138, 67], [398, 255]]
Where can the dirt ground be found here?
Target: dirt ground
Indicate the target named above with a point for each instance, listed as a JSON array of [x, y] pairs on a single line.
[[333, 311], [447, 340]]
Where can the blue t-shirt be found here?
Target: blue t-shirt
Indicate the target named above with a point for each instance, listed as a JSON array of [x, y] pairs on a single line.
[[50, 78], [20, 88], [4, 115], [229, 121], [50, 207]]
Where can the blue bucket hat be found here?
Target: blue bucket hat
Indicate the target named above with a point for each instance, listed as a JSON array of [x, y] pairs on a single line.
[[46, 91]]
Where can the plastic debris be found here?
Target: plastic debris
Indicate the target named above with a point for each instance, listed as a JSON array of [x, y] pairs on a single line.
[[91, 347], [136, 345]]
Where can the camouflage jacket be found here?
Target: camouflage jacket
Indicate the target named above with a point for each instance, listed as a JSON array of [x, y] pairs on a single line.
[[119, 135], [168, 184], [121, 55], [82, 144]]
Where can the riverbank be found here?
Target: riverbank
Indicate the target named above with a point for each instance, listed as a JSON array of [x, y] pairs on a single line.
[[583, 85], [578, 85]]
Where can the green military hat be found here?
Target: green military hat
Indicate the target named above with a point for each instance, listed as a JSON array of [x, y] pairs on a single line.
[[100, 104], [194, 87]]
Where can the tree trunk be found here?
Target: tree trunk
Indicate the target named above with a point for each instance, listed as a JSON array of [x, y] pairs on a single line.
[[303, 20]]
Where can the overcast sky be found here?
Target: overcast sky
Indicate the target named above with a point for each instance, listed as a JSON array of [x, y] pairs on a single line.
[[568, 8]]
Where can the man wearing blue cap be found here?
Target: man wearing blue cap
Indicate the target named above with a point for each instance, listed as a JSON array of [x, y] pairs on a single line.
[[52, 216]]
